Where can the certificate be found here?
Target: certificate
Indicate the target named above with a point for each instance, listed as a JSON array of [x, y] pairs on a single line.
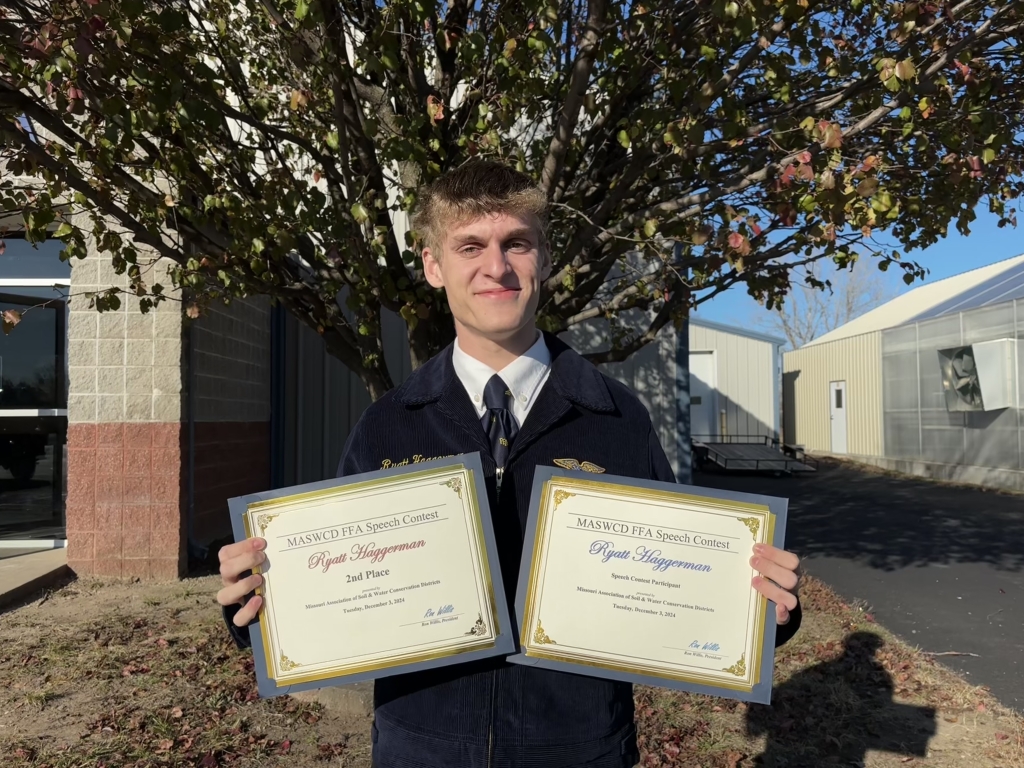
[[375, 574], [648, 582]]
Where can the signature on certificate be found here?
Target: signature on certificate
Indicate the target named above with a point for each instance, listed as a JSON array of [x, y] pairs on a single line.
[[442, 611], [696, 644]]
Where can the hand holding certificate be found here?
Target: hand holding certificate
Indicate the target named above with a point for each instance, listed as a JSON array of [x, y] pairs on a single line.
[[374, 575], [648, 582]]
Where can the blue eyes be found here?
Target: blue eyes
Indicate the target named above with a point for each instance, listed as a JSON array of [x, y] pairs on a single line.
[[515, 245]]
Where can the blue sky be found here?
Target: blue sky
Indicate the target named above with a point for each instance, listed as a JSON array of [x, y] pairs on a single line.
[[986, 244]]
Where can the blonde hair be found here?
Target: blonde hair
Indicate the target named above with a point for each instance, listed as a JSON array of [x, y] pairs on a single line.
[[477, 188]]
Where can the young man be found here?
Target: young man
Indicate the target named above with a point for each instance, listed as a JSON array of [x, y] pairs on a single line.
[[522, 399]]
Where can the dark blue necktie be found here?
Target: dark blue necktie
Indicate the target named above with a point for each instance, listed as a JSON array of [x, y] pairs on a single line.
[[498, 422]]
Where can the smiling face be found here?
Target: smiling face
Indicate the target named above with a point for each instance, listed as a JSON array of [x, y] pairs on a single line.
[[491, 268]]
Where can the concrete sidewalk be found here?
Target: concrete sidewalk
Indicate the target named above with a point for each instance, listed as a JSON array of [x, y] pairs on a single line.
[[23, 572]]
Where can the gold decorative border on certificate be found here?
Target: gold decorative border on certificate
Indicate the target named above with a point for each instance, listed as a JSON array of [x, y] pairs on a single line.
[[540, 637], [457, 484], [739, 668], [561, 496], [753, 523], [264, 520], [479, 627], [548, 503]]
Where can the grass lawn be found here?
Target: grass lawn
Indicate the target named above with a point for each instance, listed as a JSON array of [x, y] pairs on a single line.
[[107, 674]]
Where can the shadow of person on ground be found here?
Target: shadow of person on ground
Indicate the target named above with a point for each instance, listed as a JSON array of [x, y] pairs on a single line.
[[889, 521], [832, 713]]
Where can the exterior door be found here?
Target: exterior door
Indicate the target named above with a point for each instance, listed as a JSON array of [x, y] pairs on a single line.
[[837, 415], [703, 383], [33, 417]]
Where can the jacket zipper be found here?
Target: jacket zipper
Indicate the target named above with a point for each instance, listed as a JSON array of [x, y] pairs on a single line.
[[490, 723], [499, 473]]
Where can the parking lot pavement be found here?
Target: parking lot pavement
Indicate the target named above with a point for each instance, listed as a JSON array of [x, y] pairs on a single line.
[[940, 565]]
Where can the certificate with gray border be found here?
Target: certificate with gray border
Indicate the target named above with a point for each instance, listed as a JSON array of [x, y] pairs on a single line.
[[648, 582], [376, 574]]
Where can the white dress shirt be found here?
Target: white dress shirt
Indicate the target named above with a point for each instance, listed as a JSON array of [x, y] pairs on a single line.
[[524, 377]]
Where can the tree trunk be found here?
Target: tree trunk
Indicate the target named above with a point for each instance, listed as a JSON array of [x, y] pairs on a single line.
[[429, 337]]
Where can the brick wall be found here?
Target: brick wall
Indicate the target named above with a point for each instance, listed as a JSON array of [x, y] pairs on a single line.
[[125, 500], [231, 355], [125, 486], [232, 459]]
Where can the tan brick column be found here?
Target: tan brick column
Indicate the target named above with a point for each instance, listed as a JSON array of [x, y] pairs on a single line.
[[126, 505]]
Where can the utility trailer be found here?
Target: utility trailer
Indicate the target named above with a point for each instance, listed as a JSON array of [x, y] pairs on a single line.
[[750, 453]]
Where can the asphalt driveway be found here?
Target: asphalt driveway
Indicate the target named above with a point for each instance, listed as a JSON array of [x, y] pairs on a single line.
[[940, 565]]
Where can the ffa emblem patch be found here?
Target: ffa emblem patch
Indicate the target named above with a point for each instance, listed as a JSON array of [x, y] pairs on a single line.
[[585, 466]]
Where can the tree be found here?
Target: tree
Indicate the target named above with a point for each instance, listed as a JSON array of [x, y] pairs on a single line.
[[274, 146], [821, 302]]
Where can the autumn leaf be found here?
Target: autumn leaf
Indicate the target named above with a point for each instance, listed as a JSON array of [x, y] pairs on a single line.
[[435, 109], [739, 243], [831, 135], [886, 69], [176, 713], [906, 70], [10, 318], [868, 187], [701, 235], [787, 214]]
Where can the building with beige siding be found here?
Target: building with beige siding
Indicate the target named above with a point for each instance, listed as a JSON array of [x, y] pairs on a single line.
[[706, 382], [928, 383]]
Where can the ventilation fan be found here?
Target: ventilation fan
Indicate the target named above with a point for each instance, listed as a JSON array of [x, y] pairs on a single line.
[[963, 379], [978, 377]]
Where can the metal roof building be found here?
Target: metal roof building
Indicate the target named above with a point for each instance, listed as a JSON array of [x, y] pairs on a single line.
[[928, 383]]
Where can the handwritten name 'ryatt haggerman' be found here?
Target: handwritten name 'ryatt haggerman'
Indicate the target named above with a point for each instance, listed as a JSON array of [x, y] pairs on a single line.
[[371, 552], [607, 552]]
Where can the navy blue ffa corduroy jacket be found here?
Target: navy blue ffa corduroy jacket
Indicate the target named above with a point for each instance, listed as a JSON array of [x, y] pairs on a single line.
[[493, 714]]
